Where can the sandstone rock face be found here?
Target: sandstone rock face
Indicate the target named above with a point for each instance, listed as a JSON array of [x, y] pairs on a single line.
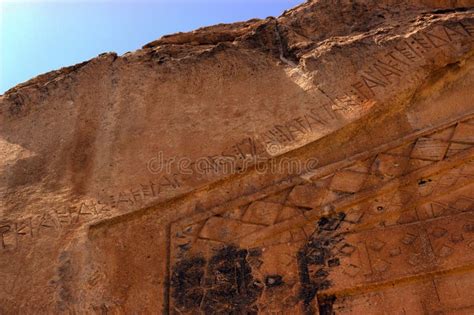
[[318, 162]]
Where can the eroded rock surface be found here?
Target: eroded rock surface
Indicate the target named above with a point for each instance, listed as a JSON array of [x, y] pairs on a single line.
[[318, 162]]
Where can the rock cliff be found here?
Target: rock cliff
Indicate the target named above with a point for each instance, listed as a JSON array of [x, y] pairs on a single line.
[[317, 162]]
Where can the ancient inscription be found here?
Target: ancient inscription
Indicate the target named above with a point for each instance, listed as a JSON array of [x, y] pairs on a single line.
[[13, 233], [386, 69], [278, 137], [143, 192], [383, 71]]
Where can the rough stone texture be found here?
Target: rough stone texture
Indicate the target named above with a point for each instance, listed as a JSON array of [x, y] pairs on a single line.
[[372, 100]]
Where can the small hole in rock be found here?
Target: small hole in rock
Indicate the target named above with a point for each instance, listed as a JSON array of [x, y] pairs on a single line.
[[333, 262], [273, 281]]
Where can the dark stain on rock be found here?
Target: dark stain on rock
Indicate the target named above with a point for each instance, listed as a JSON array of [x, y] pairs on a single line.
[[331, 223], [224, 284], [325, 305], [333, 262], [65, 276], [315, 259], [186, 281], [82, 159], [232, 288]]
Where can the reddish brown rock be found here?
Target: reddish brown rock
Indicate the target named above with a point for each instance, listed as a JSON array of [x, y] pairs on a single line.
[[317, 162]]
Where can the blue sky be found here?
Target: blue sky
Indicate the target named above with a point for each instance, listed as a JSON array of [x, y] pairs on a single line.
[[37, 36]]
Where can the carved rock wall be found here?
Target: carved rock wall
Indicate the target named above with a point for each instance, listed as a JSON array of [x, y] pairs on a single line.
[[321, 161]]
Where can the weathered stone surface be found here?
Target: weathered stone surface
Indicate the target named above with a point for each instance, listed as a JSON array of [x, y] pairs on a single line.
[[318, 162]]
